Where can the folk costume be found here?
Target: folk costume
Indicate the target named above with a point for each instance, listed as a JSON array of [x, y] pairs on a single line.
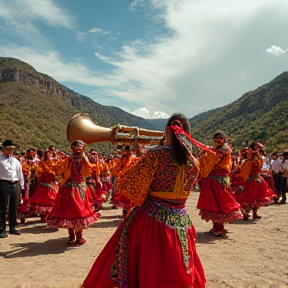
[[72, 207], [29, 167], [154, 246], [98, 195], [43, 199], [120, 200], [256, 192], [216, 201]]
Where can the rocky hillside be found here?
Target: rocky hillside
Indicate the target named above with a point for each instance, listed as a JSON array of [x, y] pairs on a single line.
[[35, 109]]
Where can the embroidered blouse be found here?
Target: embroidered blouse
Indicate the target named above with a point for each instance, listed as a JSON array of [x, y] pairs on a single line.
[[251, 168], [158, 174]]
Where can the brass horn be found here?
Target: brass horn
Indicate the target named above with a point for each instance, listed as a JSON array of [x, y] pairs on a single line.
[[81, 127]]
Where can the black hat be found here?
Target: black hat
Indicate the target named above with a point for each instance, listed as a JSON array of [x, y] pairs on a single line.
[[9, 144]]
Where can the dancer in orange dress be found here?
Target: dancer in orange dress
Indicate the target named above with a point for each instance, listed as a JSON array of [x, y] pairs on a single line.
[[72, 209], [93, 181], [256, 192], [127, 160], [154, 246], [216, 201], [43, 199], [29, 165]]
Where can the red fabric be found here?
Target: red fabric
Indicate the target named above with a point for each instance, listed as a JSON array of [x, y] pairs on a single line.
[[106, 186], [43, 199], [269, 179], [217, 204], [121, 201], [236, 182], [256, 194], [98, 195], [70, 211], [22, 208], [154, 258]]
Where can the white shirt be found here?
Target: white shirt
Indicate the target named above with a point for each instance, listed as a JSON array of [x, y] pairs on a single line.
[[276, 165], [11, 169]]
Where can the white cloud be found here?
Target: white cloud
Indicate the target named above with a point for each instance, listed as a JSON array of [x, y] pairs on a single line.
[[160, 115], [96, 30], [142, 112], [146, 114], [21, 16], [275, 50], [211, 57], [50, 63], [210, 54]]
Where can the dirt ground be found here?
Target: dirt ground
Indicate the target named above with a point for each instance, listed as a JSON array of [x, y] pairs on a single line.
[[254, 254]]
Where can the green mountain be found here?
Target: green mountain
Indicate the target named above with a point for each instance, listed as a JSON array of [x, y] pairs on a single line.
[[35, 109], [259, 115]]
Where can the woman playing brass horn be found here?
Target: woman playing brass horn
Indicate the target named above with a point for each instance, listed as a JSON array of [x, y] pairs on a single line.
[[154, 246]]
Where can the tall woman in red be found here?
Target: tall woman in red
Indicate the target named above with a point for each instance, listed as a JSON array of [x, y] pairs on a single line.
[[154, 246], [72, 208]]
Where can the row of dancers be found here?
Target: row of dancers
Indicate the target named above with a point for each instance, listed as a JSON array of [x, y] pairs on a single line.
[[152, 189]]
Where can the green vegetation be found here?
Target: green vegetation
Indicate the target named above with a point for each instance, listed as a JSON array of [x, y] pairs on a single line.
[[260, 115], [35, 111]]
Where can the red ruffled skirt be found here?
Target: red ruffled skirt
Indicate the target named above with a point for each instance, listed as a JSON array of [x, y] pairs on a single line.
[[151, 255], [98, 195], [72, 208], [269, 180], [43, 199], [256, 193], [216, 203], [237, 184]]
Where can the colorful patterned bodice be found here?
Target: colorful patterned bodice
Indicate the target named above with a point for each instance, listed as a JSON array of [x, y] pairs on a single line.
[[158, 174]]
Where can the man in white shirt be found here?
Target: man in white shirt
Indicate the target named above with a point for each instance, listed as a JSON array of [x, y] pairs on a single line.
[[276, 173], [11, 179]]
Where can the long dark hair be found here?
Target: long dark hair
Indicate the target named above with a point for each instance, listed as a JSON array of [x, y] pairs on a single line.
[[180, 151]]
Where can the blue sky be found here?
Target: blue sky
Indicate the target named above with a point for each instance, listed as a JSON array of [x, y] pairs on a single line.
[[150, 57]]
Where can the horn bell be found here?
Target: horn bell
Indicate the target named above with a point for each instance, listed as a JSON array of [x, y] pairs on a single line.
[[81, 127]]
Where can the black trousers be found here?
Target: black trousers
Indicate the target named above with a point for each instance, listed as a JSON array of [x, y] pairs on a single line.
[[284, 183], [277, 177], [9, 193]]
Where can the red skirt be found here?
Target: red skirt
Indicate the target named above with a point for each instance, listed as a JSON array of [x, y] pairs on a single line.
[[256, 193], [98, 195], [23, 205], [237, 184], [120, 200], [269, 180], [216, 203], [43, 199], [154, 257], [72, 208]]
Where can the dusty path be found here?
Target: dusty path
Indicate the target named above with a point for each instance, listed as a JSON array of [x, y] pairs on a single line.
[[255, 253]]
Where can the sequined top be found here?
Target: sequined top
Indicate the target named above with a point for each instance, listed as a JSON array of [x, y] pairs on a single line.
[[158, 174]]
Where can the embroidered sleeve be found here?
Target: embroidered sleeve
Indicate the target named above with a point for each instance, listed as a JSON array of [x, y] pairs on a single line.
[[207, 163], [86, 169], [245, 169], [134, 182]]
